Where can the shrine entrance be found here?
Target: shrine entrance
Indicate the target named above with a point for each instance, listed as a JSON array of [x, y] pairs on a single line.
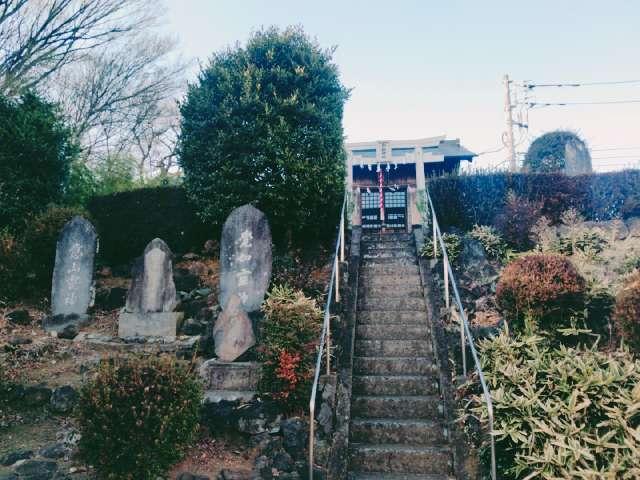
[[390, 214]]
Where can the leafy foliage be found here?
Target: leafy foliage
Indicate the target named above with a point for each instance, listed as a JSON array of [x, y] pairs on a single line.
[[517, 218], [263, 125], [36, 150], [548, 152], [560, 413], [469, 199], [627, 312], [127, 221], [289, 345], [11, 265], [137, 416], [492, 242], [452, 242], [542, 289]]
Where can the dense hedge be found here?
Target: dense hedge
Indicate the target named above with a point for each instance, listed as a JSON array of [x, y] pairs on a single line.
[[127, 221], [466, 200]]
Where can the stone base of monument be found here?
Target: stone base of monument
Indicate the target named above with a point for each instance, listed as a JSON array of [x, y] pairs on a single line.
[[230, 381], [57, 323], [161, 324]]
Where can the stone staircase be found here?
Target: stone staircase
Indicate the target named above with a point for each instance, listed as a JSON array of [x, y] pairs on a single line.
[[398, 429]]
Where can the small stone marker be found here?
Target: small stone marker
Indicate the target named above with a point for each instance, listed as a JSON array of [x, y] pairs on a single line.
[[245, 258], [72, 288], [151, 297], [233, 333]]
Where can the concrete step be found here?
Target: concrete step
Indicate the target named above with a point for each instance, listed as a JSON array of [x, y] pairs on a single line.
[[401, 459], [394, 385], [391, 281], [372, 269], [396, 331], [392, 348], [392, 303], [386, 317], [390, 431], [217, 396], [388, 245], [399, 261], [386, 237], [396, 476], [395, 406], [389, 253], [366, 289], [394, 365]]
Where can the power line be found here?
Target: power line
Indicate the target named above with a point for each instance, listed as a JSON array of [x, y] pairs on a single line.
[[567, 104], [531, 86], [606, 149]]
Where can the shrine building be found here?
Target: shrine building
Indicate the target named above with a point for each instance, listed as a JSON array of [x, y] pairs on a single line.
[[397, 169]]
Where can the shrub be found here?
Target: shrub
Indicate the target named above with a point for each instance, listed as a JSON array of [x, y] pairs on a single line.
[[517, 219], [557, 152], [560, 412], [127, 221], [541, 288], [302, 270], [40, 239], [263, 121], [36, 149], [452, 242], [491, 241], [289, 345], [137, 416], [627, 312], [11, 266]]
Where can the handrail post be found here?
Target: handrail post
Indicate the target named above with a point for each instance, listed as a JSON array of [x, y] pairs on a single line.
[[445, 262], [435, 238], [329, 348], [311, 438], [342, 222], [337, 280]]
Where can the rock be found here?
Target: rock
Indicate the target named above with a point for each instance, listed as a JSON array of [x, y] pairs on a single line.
[[57, 323], [13, 457], [217, 375], [37, 470], [294, 435], [191, 476], [245, 258], [325, 418], [72, 288], [263, 467], [69, 332], [63, 399], [210, 247], [283, 462], [235, 475], [8, 476], [56, 450], [18, 340], [19, 317], [36, 395], [104, 272], [151, 297], [233, 332], [193, 327], [190, 256], [111, 298]]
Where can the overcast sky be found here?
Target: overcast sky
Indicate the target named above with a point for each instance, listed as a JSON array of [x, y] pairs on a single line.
[[425, 68]]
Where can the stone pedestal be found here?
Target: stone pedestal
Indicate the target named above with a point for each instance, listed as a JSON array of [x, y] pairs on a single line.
[[230, 380], [158, 324]]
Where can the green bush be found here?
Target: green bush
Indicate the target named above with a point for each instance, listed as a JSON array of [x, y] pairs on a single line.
[[12, 277], [289, 337], [263, 125], [548, 153], [36, 150], [627, 312], [452, 242], [127, 221], [465, 200], [138, 416], [540, 291], [560, 412], [492, 242]]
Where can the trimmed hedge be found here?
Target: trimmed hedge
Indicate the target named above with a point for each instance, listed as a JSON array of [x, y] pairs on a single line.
[[467, 200], [127, 221]]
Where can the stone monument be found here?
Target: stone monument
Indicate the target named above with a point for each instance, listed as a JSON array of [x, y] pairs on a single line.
[[152, 296], [72, 288], [245, 273]]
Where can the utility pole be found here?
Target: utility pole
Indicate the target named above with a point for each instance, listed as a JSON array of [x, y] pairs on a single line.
[[508, 108]]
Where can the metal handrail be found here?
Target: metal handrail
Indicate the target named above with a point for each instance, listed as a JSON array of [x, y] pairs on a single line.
[[325, 334], [465, 331]]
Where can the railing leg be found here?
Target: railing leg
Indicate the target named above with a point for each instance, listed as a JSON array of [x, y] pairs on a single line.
[[435, 240], [337, 285], [329, 348], [342, 239], [311, 441], [447, 301], [463, 345]]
